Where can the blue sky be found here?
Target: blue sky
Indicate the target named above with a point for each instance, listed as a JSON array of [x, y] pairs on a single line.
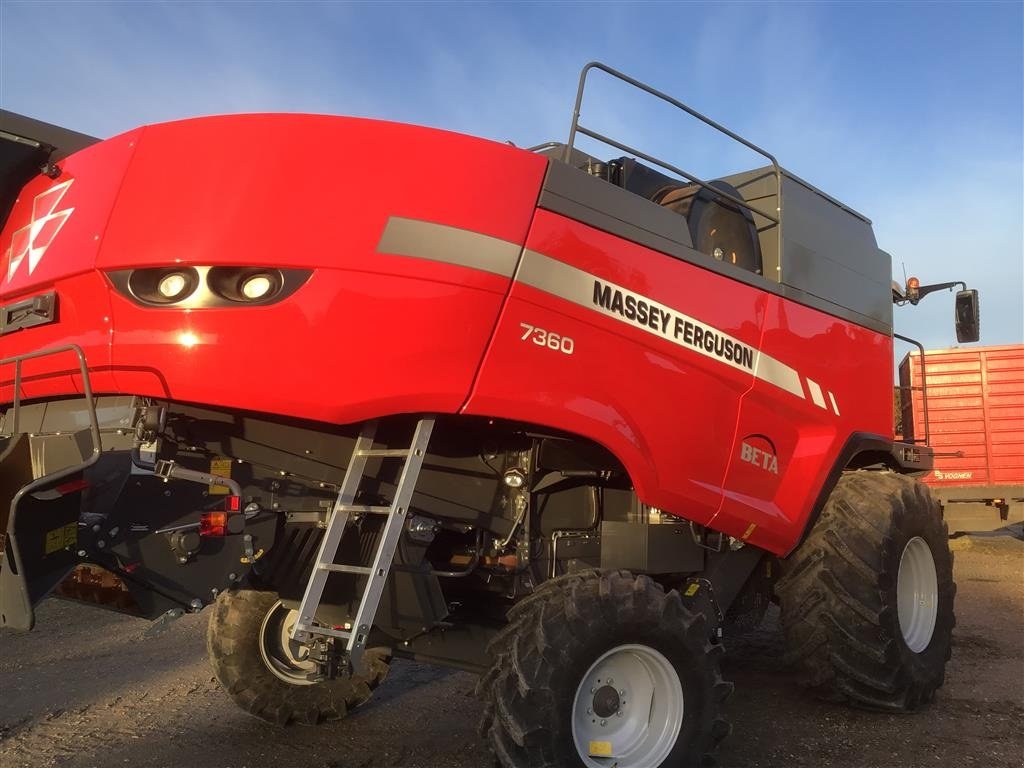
[[911, 113]]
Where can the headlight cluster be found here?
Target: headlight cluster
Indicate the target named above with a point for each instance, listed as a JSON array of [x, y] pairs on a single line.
[[200, 287]]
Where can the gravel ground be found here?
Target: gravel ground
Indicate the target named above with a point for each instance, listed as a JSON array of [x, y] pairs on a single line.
[[90, 688]]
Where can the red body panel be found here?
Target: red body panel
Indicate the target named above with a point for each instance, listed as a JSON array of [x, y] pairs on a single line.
[[677, 419], [852, 366], [373, 333], [668, 414], [370, 333], [67, 266], [975, 406]]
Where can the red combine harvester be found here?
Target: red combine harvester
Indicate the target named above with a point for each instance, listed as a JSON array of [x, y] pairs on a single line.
[[968, 404], [564, 421]]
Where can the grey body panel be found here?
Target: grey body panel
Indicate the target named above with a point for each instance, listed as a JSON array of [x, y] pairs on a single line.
[[67, 142], [830, 261], [594, 201], [602, 205], [644, 548]]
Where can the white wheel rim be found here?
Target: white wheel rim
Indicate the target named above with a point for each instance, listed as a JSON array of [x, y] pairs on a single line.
[[628, 709], [288, 660], [917, 594]]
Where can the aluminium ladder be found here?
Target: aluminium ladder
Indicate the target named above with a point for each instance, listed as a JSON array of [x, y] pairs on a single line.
[[356, 634]]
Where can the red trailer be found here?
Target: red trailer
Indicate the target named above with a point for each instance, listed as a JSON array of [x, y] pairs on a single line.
[[969, 406]]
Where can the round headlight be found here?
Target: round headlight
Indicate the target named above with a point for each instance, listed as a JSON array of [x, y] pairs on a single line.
[[173, 285], [256, 287]]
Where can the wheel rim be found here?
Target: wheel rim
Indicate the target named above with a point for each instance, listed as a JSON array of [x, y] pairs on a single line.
[[917, 594], [287, 659], [628, 709]]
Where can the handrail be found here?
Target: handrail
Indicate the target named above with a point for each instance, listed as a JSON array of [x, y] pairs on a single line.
[[923, 387], [46, 481], [578, 128], [94, 425], [689, 177]]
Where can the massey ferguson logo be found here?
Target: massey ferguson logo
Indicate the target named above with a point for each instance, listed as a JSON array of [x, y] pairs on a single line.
[[31, 241], [760, 451]]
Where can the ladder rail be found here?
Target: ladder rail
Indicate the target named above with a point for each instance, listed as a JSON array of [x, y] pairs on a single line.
[[389, 541], [337, 522]]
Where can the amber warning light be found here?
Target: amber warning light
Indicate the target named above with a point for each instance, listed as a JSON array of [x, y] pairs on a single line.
[[913, 284], [223, 523]]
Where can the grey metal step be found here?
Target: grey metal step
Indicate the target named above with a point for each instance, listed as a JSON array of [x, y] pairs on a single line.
[[382, 453], [340, 568], [363, 509], [344, 634]]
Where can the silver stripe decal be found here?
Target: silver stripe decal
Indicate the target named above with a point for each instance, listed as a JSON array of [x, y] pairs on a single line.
[[778, 373], [449, 245], [578, 286], [461, 247], [835, 406], [816, 394]]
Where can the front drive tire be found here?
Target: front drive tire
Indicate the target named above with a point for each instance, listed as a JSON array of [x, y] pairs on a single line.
[[603, 668], [867, 599], [247, 644]]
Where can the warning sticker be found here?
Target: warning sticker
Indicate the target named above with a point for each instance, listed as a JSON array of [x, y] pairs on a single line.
[[600, 749], [220, 468], [61, 538]]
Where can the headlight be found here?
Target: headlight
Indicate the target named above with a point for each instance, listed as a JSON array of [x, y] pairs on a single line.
[[162, 285], [178, 287], [172, 286], [256, 287]]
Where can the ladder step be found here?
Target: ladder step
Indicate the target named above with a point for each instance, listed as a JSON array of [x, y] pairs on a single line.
[[382, 453], [342, 633], [363, 509], [335, 568]]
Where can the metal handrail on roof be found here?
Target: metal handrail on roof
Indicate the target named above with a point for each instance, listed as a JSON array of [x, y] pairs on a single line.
[[577, 127]]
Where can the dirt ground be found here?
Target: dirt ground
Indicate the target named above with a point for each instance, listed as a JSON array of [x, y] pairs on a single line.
[[90, 688]]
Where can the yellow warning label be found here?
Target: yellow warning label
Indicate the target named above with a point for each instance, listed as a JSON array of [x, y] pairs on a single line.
[[220, 468], [256, 556], [750, 530], [600, 749], [692, 590], [61, 538]]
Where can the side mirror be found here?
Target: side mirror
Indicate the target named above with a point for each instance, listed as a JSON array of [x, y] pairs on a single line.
[[968, 316]]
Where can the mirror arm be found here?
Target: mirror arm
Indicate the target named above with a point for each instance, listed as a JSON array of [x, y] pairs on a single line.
[[924, 290]]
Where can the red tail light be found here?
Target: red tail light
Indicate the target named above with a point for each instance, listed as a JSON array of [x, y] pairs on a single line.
[[223, 523], [213, 524], [71, 487]]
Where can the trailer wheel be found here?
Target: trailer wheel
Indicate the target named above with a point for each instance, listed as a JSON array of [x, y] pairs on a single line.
[[266, 674], [867, 599], [600, 669]]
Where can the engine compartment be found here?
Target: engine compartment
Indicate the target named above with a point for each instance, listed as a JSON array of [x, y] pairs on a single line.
[[499, 508]]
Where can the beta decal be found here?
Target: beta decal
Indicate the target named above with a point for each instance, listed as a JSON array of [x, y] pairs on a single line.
[[684, 330], [763, 457]]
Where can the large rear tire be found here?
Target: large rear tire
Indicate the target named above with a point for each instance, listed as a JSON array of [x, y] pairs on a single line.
[[601, 669], [867, 599], [266, 675]]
